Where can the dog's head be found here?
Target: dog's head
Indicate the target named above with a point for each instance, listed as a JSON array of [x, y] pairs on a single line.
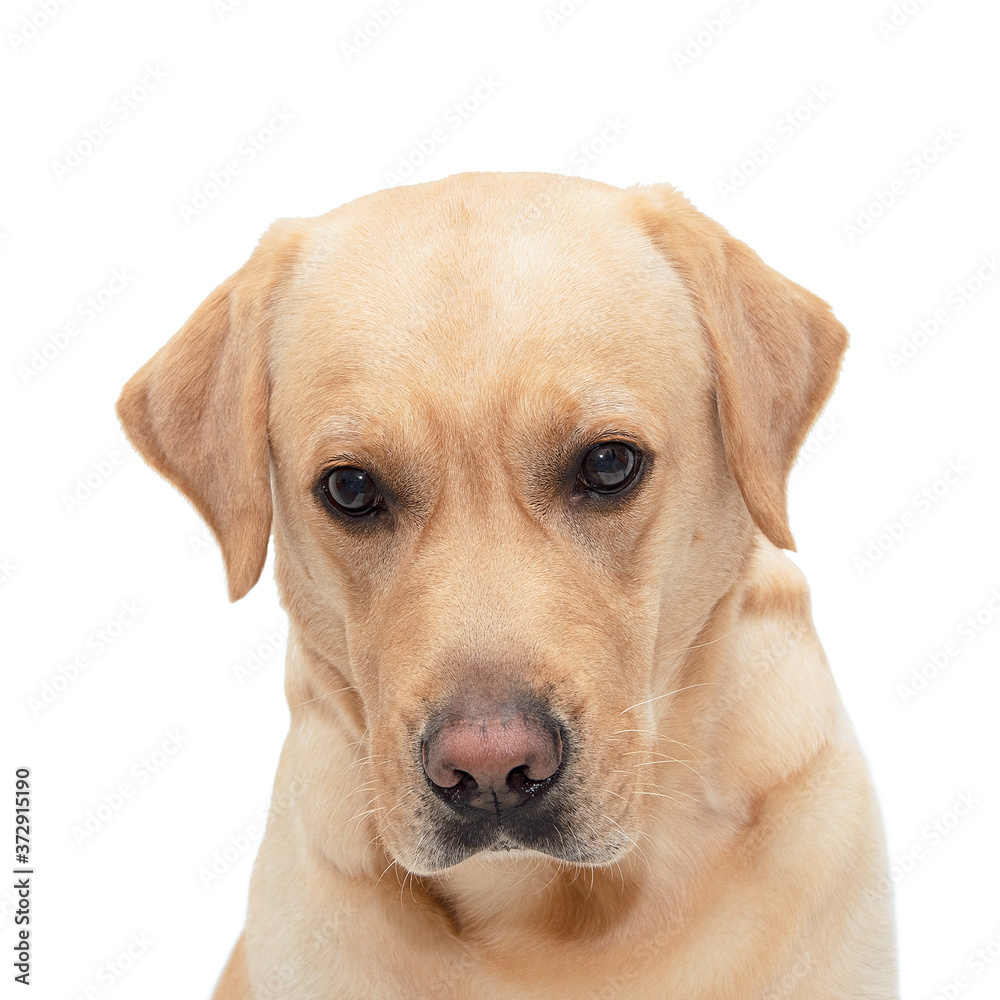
[[515, 434]]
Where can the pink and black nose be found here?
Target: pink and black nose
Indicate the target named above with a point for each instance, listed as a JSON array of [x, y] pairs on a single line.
[[492, 760]]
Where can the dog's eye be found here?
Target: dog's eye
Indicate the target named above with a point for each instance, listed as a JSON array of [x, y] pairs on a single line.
[[350, 490], [609, 468]]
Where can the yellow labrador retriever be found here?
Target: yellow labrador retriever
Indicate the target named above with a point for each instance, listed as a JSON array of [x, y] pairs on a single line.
[[561, 726]]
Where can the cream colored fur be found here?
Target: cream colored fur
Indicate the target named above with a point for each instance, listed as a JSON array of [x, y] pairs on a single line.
[[466, 338]]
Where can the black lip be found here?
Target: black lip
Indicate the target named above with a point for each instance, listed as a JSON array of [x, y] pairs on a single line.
[[531, 826]]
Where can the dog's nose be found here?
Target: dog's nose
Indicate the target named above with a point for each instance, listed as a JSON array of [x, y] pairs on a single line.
[[493, 762]]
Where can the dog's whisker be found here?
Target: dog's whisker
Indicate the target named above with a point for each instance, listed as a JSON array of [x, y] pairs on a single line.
[[392, 864], [709, 642], [683, 763], [320, 697], [663, 758], [539, 862], [357, 819], [402, 886], [677, 791], [664, 794], [693, 770], [620, 872], [555, 875], [618, 795], [669, 694], [671, 739]]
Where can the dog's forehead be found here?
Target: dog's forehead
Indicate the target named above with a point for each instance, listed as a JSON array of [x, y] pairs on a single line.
[[477, 293]]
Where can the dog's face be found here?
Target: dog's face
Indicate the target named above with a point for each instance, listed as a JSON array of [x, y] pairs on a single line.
[[517, 431]]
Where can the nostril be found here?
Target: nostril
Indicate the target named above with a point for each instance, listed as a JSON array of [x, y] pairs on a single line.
[[519, 781], [492, 762], [437, 769], [466, 784]]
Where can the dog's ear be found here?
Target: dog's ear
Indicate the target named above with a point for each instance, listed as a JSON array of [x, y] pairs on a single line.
[[197, 410], [776, 349]]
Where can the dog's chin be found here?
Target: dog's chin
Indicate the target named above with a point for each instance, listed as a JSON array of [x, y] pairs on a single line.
[[436, 858]]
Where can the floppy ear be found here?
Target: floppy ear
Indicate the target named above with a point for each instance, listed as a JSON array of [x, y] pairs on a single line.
[[197, 410], [776, 349]]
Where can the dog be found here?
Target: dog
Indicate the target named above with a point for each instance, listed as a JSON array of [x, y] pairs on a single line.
[[561, 725]]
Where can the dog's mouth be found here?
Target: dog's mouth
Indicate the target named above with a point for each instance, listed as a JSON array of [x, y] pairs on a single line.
[[535, 824], [552, 815], [517, 813], [498, 776], [553, 831], [511, 772]]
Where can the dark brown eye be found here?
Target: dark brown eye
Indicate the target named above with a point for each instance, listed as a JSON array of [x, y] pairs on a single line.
[[608, 468], [352, 491]]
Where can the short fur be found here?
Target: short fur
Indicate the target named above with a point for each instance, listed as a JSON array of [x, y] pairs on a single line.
[[465, 340]]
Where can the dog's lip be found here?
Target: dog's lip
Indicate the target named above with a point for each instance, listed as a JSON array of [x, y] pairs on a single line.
[[505, 845]]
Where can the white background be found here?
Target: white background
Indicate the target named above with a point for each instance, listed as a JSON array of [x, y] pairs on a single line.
[[68, 568]]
